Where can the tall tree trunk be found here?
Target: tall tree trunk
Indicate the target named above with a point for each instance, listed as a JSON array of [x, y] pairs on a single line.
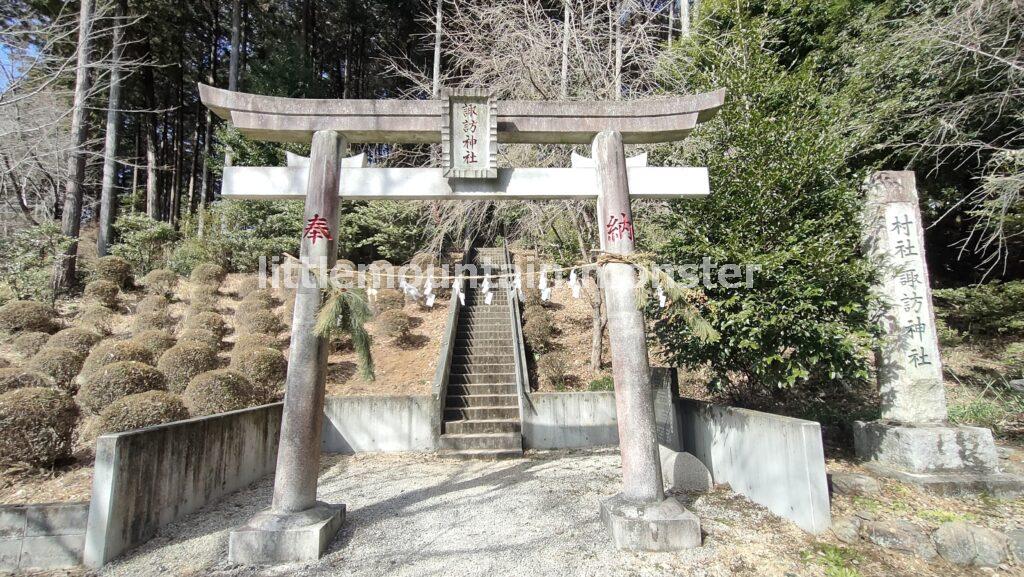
[[684, 18], [71, 221], [152, 177], [618, 49], [135, 165], [672, 17], [193, 164], [107, 197], [564, 92], [236, 33], [437, 49]]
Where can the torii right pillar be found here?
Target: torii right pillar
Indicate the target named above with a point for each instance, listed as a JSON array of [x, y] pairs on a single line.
[[913, 441], [640, 517]]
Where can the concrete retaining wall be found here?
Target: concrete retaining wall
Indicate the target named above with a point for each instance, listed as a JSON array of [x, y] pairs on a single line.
[[570, 420], [148, 478], [40, 537], [378, 424], [773, 460], [776, 461]]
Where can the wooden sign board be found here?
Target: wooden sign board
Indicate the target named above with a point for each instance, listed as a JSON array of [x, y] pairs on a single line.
[[469, 134]]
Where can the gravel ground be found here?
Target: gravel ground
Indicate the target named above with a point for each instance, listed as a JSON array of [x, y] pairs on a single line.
[[419, 515]]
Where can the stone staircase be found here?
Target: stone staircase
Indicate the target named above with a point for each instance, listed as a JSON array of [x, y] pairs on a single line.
[[481, 414]]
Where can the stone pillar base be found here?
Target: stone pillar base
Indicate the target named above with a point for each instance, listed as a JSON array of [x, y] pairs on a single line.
[[271, 538], [663, 526], [942, 459]]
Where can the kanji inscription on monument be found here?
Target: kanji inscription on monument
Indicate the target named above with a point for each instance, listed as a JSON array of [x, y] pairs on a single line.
[[910, 372], [469, 134]]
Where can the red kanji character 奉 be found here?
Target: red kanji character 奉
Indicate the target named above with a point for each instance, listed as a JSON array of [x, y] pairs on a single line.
[[317, 228]]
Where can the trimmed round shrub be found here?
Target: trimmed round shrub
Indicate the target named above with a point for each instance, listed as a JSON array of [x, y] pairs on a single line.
[[394, 324], [114, 269], [75, 338], [218, 391], [61, 365], [160, 281], [203, 299], [539, 331], [262, 322], [256, 340], [389, 300], [19, 378], [36, 426], [152, 304], [265, 368], [554, 369], [532, 298], [115, 351], [141, 410], [247, 285], [263, 297], [212, 322], [102, 292], [155, 341], [184, 361], [22, 316], [96, 318], [154, 321], [247, 308], [208, 274], [118, 380], [208, 338], [30, 343]]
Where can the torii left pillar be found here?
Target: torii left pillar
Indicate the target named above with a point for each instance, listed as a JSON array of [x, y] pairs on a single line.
[[297, 527], [640, 517]]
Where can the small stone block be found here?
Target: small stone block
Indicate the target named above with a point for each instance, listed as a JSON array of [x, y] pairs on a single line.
[[12, 522], [52, 552], [10, 553], [854, 484], [684, 472], [926, 448], [275, 539], [56, 519], [663, 526]]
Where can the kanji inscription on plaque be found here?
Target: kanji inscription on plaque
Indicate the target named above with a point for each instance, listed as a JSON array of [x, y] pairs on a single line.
[[469, 134]]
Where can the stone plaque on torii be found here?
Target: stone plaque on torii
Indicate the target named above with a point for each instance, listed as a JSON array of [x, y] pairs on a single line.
[[469, 124]]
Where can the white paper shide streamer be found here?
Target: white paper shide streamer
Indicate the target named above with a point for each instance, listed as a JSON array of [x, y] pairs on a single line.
[[575, 284]]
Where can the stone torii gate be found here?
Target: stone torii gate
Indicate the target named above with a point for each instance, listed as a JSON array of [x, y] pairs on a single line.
[[469, 124]]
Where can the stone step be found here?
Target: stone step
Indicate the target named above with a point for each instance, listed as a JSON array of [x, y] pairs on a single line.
[[454, 389], [483, 359], [482, 369], [474, 441], [484, 322], [492, 379], [481, 341], [482, 454], [483, 335], [474, 349], [458, 402], [487, 426], [481, 413]]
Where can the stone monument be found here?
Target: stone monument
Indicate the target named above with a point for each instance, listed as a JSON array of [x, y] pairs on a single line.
[[913, 441]]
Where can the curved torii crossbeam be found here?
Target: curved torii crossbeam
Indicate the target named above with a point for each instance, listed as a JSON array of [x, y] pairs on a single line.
[[468, 124], [281, 119]]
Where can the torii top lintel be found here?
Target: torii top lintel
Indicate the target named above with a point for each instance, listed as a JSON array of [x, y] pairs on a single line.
[[420, 121]]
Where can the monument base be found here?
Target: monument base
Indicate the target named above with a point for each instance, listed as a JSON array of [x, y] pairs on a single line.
[[663, 526], [942, 459], [271, 538], [952, 483]]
